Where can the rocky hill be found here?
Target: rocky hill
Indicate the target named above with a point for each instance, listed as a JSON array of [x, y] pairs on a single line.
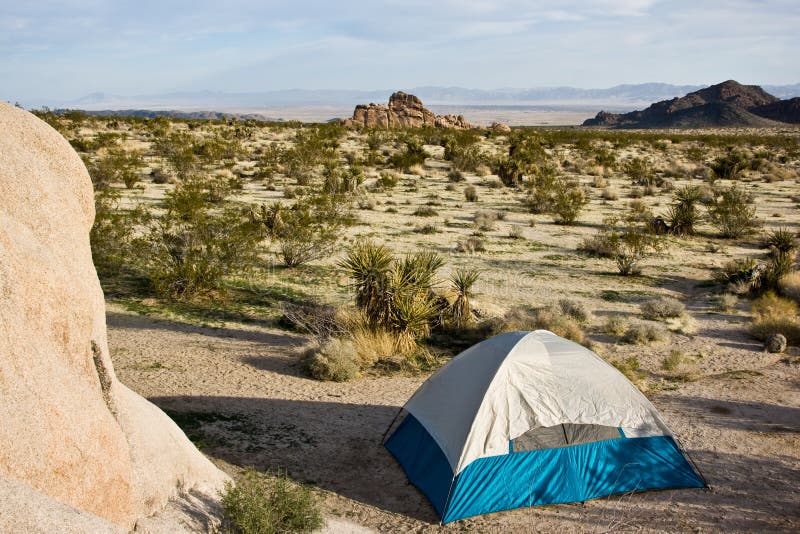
[[404, 111], [728, 104]]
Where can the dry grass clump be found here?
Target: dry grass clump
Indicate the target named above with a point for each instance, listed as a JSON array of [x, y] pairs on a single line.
[[425, 211], [679, 367], [615, 325], [609, 194], [661, 308], [789, 286], [471, 193], [573, 308], [333, 359], [515, 232], [643, 334], [726, 302], [470, 245], [631, 368], [775, 315], [550, 318]]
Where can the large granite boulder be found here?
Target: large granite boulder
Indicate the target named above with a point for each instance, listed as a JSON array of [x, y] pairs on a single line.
[[69, 429], [404, 111]]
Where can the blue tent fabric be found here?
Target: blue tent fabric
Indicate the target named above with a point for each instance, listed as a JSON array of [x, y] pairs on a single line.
[[423, 461], [573, 473]]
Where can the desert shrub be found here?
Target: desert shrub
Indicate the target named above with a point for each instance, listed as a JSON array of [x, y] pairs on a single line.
[[569, 198], [116, 166], [609, 194], [631, 368], [455, 176], [549, 318], [684, 214], [113, 234], [159, 176], [575, 309], [470, 193], [515, 232], [729, 166], [470, 245], [680, 367], [333, 359], [627, 246], [425, 211], [260, 504], [775, 315], [509, 170], [308, 230], [662, 308], [739, 271], [733, 212], [726, 302], [485, 220], [413, 154], [641, 172], [426, 229], [789, 286], [599, 182], [615, 325], [388, 180], [315, 318], [194, 245], [643, 334], [464, 158]]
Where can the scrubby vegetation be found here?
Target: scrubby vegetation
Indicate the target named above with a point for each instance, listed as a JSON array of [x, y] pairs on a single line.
[[239, 219], [264, 504]]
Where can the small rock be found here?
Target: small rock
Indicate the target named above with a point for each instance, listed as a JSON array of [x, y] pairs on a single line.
[[776, 343]]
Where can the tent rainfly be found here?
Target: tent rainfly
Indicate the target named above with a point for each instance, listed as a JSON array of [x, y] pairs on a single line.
[[529, 418]]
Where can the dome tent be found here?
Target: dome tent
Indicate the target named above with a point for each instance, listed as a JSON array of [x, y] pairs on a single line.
[[529, 418]]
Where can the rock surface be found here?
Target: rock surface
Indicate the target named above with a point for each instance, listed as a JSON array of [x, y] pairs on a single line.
[[404, 111], [69, 429], [775, 343]]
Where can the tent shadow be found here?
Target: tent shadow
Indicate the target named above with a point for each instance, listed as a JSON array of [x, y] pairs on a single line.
[[333, 446]]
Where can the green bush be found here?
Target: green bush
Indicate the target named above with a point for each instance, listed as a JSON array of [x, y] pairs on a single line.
[[309, 229], [733, 212], [191, 248], [113, 233], [510, 171], [413, 154], [116, 166], [729, 166], [260, 504]]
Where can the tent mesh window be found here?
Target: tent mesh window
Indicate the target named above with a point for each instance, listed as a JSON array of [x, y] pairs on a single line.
[[552, 437]]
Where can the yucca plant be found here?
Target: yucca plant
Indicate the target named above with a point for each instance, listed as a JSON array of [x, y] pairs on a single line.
[[462, 281], [781, 241], [684, 215], [369, 265], [411, 317]]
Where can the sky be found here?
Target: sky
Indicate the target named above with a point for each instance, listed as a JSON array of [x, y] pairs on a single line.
[[68, 49]]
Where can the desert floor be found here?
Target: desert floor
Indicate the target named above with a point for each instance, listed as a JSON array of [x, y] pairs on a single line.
[[238, 389], [242, 391]]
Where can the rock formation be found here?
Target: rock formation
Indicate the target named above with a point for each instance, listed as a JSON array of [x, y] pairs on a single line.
[[83, 443], [500, 128], [403, 111], [726, 104]]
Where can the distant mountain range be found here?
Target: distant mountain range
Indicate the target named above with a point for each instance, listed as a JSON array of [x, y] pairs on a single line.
[[617, 98], [727, 104]]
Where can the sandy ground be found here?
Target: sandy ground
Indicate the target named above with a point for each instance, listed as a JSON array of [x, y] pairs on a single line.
[[743, 430]]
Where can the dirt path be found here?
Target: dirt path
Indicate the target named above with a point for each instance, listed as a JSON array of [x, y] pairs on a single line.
[[240, 393]]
